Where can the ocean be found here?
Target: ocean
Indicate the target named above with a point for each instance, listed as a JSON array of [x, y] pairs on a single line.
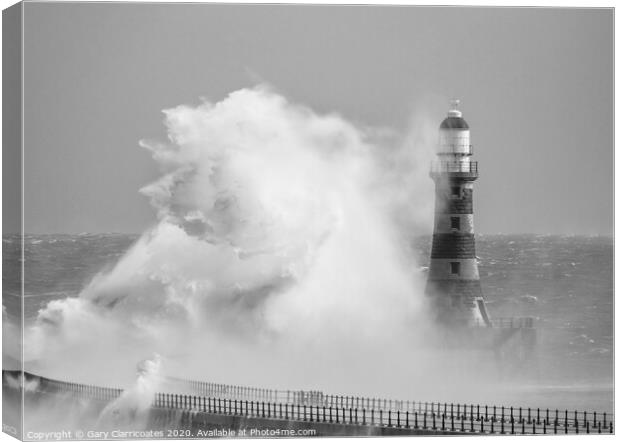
[[565, 282]]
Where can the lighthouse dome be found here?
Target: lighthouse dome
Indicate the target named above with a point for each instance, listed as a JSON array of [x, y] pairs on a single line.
[[453, 122]]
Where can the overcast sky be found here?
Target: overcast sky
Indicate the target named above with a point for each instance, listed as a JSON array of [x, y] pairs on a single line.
[[536, 88]]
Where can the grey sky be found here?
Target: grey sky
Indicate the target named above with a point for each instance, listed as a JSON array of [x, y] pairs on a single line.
[[536, 87]]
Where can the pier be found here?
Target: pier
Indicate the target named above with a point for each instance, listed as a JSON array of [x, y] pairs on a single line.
[[197, 405]]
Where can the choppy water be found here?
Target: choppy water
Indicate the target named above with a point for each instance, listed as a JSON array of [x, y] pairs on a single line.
[[564, 281]]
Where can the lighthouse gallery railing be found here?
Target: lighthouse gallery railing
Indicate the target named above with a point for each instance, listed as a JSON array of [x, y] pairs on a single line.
[[454, 167]]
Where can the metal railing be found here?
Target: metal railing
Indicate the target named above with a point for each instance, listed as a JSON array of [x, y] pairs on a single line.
[[470, 167], [53, 386], [472, 420]]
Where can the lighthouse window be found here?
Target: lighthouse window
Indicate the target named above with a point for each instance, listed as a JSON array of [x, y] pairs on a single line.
[[455, 222], [455, 268], [456, 191]]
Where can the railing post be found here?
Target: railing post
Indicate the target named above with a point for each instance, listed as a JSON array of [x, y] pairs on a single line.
[[389, 418], [585, 418], [576, 427], [415, 414]]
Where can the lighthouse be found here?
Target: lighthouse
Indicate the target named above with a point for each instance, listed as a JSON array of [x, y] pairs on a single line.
[[453, 280]]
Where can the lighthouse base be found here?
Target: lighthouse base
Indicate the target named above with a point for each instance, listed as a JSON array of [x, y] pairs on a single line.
[[457, 302], [510, 341]]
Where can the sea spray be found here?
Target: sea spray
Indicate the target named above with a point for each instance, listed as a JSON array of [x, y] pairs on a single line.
[[131, 409], [19, 382], [280, 258]]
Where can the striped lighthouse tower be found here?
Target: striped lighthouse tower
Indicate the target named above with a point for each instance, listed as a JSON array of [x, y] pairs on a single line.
[[453, 280]]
